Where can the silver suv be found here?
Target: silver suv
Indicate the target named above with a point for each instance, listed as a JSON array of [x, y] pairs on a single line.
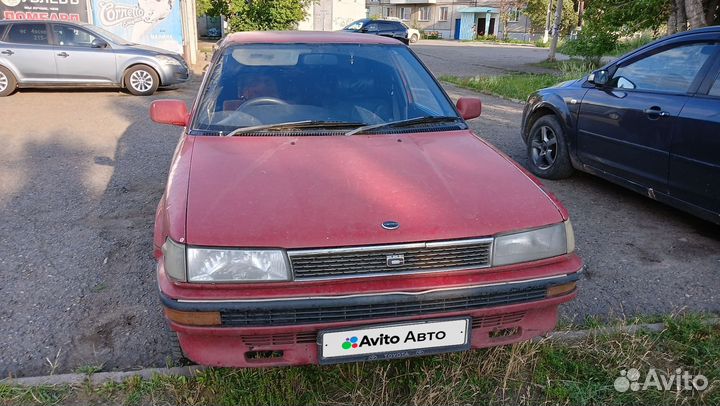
[[39, 54]]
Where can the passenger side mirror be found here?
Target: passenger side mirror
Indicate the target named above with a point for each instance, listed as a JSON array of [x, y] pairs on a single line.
[[469, 107], [172, 112], [599, 77], [98, 43]]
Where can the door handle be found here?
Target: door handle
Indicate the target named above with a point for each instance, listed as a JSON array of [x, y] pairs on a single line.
[[63, 54], [7, 52], [656, 111]]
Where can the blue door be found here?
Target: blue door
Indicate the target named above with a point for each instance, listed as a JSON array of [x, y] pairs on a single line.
[[457, 28]]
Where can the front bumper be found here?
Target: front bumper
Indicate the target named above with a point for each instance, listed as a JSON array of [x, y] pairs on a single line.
[[273, 332], [174, 74]]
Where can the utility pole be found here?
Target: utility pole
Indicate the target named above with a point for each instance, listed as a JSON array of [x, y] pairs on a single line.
[[556, 30], [547, 21]]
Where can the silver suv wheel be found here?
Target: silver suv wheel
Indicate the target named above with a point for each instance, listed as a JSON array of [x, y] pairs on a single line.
[[3, 82], [141, 81]]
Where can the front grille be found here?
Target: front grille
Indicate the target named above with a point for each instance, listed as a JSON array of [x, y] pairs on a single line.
[[279, 339], [310, 337], [497, 320], [282, 317], [368, 261]]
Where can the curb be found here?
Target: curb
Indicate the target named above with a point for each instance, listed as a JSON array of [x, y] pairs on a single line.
[[101, 377], [189, 371]]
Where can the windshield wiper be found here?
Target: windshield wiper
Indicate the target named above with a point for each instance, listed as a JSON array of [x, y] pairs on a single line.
[[406, 123], [294, 125]]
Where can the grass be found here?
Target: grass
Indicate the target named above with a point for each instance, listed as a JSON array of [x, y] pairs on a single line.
[[628, 45], [540, 372], [518, 86]]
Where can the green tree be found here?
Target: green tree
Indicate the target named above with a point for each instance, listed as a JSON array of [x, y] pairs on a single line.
[[536, 11], [259, 15], [606, 21]]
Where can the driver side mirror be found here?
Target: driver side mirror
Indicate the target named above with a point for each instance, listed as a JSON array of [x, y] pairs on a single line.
[[469, 107], [98, 43], [599, 77], [172, 112]]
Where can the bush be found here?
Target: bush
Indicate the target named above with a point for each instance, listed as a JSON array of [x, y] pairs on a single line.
[[540, 44], [430, 34]]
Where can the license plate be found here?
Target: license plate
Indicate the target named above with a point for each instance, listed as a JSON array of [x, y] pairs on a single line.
[[393, 341]]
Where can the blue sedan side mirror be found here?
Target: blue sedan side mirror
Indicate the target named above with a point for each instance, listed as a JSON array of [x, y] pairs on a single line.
[[599, 77]]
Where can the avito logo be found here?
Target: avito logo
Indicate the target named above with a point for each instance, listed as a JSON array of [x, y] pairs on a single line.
[[383, 339]]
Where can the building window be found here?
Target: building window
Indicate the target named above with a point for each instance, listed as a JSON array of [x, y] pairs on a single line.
[[405, 13], [424, 14], [388, 12], [514, 15], [443, 13]]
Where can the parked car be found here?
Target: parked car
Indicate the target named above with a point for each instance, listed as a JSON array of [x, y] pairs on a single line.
[[648, 121], [44, 54], [386, 28], [338, 208], [413, 34]]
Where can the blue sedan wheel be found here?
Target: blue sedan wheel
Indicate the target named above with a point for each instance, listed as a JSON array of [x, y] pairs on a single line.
[[547, 149]]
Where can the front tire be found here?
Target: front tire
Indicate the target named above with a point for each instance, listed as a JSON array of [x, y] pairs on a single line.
[[8, 83], [141, 80], [547, 149]]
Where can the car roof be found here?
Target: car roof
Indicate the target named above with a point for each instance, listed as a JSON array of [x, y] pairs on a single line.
[[305, 37], [703, 30]]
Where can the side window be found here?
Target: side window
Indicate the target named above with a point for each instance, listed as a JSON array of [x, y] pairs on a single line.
[[72, 37], [372, 27], [715, 89], [387, 26], [672, 70], [28, 34]]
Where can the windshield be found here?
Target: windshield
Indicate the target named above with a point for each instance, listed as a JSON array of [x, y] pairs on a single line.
[[355, 25], [363, 84], [107, 34]]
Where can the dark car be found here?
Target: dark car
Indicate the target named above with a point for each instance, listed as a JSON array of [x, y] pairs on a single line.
[[386, 28], [649, 121]]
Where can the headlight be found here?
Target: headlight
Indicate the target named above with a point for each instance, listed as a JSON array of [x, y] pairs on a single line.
[[168, 60], [174, 260], [533, 245], [236, 265]]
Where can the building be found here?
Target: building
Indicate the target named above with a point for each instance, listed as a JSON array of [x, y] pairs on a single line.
[[456, 19], [332, 15]]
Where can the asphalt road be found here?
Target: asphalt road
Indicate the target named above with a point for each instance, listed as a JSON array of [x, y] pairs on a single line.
[[81, 173]]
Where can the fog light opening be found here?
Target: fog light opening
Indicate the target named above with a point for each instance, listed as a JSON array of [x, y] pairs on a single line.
[[263, 355], [505, 333]]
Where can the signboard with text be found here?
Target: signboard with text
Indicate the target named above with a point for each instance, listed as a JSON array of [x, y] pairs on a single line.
[[156, 23], [53, 10]]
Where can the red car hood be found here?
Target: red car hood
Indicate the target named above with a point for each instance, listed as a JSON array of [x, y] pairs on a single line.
[[295, 192]]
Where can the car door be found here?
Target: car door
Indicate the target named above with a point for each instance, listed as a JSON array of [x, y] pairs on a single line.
[[393, 30], [625, 127], [695, 150], [83, 57], [371, 27], [26, 48]]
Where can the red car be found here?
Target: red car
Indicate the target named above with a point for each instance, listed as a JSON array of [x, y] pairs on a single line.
[[328, 203]]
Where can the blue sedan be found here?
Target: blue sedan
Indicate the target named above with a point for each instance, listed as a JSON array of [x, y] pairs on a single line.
[[649, 121]]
